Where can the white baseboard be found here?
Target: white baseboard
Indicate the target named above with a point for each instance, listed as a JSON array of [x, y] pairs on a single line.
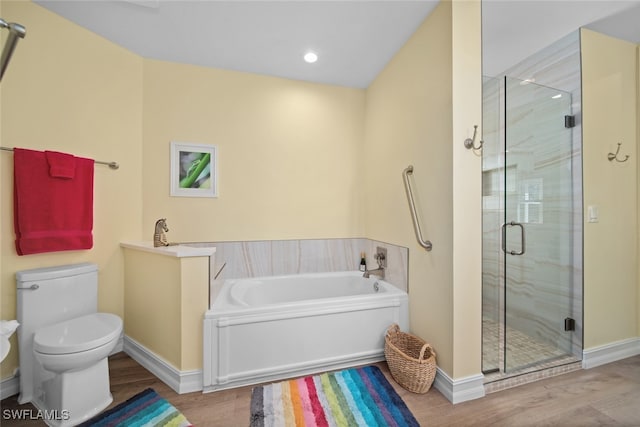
[[460, 390], [611, 352], [180, 381], [9, 386]]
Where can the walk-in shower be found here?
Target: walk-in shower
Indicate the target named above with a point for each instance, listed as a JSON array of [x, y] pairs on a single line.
[[532, 313]]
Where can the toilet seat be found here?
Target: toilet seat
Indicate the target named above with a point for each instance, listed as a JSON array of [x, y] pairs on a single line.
[[77, 335]]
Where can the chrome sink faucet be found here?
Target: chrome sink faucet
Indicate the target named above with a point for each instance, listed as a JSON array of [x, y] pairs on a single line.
[[381, 257]]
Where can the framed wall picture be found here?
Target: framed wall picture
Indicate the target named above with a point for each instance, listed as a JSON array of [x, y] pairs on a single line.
[[194, 171]]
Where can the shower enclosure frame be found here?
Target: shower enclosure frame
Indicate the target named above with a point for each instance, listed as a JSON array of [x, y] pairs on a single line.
[[520, 313]]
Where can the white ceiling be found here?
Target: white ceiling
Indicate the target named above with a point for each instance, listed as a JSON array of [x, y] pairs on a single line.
[[512, 30], [353, 39]]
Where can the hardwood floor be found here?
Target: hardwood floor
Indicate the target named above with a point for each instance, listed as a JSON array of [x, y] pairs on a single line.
[[606, 395]]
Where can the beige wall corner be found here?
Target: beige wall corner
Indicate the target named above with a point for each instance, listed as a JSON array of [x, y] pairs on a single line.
[[166, 297], [408, 122], [609, 73], [153, 303], [467, 189], [194, 303], [420, 110]]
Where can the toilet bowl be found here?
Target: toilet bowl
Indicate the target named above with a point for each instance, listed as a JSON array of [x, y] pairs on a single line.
[[77, 343], [73, 369], [64, 343]]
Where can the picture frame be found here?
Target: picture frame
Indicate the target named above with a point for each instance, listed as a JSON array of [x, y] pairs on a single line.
[[194, 170]]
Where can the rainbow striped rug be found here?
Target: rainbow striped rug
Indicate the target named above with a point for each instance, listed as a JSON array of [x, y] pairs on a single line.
[[143, 409], [354, 397]]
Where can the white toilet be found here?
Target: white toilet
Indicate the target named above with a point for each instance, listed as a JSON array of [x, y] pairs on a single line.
[[64, 343]]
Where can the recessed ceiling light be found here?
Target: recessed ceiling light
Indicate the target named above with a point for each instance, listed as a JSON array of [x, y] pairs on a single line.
[[310, 57], [557, 96]]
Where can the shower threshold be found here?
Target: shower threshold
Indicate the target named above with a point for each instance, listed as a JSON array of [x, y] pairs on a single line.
[[496, 381], [529, 359]]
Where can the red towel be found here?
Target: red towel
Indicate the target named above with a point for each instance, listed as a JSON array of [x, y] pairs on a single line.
[[61, 165], [53, 203]]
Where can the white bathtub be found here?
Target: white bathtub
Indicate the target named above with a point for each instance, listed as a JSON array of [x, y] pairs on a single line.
[[270, 328]]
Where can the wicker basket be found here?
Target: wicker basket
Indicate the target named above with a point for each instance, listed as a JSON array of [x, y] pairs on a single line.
[[411, 360]]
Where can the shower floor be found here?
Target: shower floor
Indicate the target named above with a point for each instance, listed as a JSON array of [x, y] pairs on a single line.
[[528, 359]]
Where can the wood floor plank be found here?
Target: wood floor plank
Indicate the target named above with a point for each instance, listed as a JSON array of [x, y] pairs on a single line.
[[606, 395]]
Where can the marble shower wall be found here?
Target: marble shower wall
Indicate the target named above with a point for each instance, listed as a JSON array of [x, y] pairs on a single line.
[[244, 259]]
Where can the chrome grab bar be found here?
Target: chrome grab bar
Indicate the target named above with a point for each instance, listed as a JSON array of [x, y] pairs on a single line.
[[504, 238], [412, 206]]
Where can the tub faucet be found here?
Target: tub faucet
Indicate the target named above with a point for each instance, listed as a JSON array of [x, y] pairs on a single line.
[[381, 258], [378, 272]]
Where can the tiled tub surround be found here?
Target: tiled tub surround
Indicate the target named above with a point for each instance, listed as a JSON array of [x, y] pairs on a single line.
[[284, 257]]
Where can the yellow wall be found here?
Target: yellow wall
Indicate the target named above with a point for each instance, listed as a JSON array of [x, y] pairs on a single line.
[[411, 119], [67, 89], [296, 160], [610, 246], [148, 288], [467, 190], [409, 116], [194, 284], [165, 305], [288, 154]]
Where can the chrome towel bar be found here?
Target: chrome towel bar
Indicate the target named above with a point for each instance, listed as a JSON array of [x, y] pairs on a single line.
[[412, 207], [112, 165]]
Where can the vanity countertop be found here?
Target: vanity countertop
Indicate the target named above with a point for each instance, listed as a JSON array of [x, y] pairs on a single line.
[[178, 251]]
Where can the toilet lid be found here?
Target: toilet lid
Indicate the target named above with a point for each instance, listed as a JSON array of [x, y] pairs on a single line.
[[79, 334]]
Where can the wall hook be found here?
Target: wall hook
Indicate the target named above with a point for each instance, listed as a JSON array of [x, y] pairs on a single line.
[[470, 143], [612, 156]]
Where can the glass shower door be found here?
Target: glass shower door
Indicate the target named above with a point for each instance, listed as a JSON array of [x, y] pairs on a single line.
[[536, 230]]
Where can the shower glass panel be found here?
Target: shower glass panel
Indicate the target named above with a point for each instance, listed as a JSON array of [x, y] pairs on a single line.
[[492, 218], [527, 225]]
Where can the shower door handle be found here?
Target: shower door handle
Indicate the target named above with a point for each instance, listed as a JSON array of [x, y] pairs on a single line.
[[504, 238]]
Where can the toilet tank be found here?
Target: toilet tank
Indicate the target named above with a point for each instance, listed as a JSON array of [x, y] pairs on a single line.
[[53, 294]]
